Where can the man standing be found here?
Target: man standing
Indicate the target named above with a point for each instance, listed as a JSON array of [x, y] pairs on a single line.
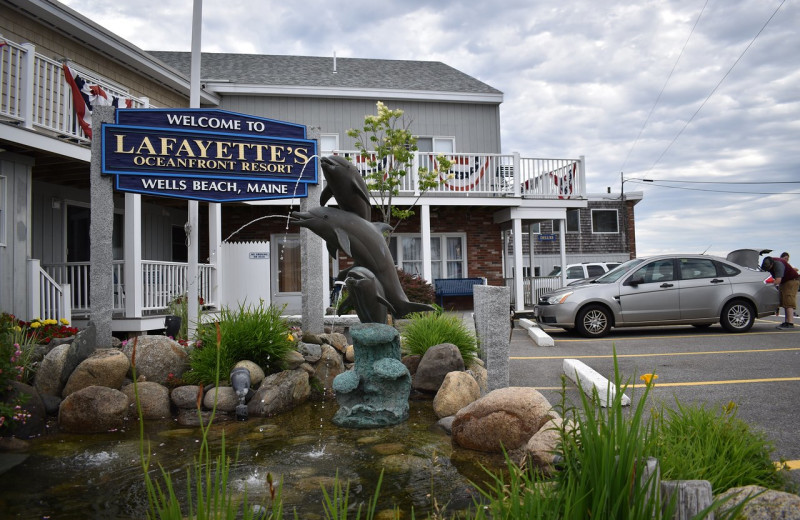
[[788, 281]]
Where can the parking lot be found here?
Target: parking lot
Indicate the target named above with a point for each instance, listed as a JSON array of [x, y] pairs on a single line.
[[759, 370]]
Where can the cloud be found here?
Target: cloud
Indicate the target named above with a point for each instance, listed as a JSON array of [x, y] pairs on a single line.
[[579, 78]]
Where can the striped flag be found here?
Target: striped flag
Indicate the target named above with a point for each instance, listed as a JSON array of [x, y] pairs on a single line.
[[85, 96]]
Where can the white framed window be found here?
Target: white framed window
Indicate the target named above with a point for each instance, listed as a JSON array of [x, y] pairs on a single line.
[[436, 145], [328, 143], [605, 221], [286, 272], [448, 254], [573, 222], [2, 210]]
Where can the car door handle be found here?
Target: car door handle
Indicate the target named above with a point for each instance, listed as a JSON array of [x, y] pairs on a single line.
[[665, 285], [717, 280]]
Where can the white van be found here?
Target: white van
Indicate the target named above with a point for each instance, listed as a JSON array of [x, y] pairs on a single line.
[[585, 270]]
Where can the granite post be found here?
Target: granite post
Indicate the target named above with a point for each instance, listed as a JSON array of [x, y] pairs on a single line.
[[312, 265], [492, 306], [101, 228]]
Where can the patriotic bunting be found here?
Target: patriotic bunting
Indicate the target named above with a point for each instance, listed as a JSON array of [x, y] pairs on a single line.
[[86, 96]]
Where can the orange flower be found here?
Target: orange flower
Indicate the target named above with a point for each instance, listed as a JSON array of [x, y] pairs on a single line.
[[648, 378]]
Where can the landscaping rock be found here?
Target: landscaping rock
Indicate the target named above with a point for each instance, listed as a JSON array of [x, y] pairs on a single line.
[[436, 363], [185, 397], [93, 409], [311, 351], [768, 505], [256, 372], [328, 367], [294, 359], [104, 367], [480, 374], [153, 398], [280, 392], [157, 357], [35, 424], [225, 396], [336, 340], [48, 375], [544, 444], [81, 348], [457, 391], [503, 418]]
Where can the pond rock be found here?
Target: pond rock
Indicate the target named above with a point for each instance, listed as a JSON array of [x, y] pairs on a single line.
[[35, 422], [436, 363], [93, 409], [185, 397], [153, 398], [767, 505], [457, 390], [280, 392], [256, 372], [503, 418], [157, 357], [48, 375], [104, 367], [225, 396]]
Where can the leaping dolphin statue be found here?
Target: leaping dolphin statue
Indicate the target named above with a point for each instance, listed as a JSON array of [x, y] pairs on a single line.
[[365, 294], [365, 244], [345, 183]]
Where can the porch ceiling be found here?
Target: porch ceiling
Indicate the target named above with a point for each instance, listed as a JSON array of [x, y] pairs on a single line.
[[53, 168]]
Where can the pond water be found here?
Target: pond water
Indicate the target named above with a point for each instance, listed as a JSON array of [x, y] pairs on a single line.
[[100, 475]]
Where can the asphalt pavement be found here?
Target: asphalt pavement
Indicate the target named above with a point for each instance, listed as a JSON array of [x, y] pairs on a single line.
[[758, 371]]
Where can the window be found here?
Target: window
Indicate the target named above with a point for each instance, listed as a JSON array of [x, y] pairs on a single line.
[[605, 221], [447, 254], [328, 143], [436, 145], [573, 222], [2, 211], [656, 272], [693, 268], [288, 255]]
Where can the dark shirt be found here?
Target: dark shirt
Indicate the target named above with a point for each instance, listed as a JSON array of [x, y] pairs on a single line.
[[781, 269]]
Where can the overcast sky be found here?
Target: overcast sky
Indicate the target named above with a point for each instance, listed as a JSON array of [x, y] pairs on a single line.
[[680, 92]]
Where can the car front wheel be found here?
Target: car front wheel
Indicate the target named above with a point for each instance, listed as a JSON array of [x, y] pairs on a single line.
[[593, 321], [737, 316]]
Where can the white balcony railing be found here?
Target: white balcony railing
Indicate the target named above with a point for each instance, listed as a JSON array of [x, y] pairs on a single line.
[[34, 93], [162, 283], [48, 299], [533, 287], [491, 175]]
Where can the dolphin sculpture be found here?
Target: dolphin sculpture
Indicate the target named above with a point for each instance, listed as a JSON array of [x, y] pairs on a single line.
[[365, 244], [365, 294], [346, 185]]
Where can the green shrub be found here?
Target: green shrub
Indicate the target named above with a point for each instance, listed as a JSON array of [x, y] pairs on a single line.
[[256, 333], [695, 442], [426, 329]]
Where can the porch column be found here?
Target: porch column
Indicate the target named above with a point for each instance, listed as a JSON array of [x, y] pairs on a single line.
[[563, 248], [191, 271], [312, 263], [519, 282], [132, 253], [425, 231], [215, 258], [531, 268], [26, 85]]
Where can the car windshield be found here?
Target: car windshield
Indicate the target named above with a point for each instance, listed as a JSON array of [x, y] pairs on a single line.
[[619, 271], [556, 271]]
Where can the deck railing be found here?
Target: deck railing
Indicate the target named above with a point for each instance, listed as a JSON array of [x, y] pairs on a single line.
[[162, 283], [49, 300], [487, 174], [34, 93]]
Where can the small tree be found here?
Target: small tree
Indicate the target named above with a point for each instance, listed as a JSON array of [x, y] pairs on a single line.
[[387, 147]]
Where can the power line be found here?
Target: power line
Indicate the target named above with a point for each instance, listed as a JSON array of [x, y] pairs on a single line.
[[653, 183], [718, 84], [712, 182], [658, 98]]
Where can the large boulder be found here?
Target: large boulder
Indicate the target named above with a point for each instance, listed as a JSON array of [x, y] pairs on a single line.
[[185, 397], [503, 418], [93, 409], [436, 363], [280, 392], [104, 367], [226, 399], [157, 357], [767, 505], [543, 446], [457, 391], [48, 376], [82, 347], [153, 399]]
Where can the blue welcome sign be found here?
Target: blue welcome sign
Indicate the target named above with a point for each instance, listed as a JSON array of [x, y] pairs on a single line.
[[210, 155]]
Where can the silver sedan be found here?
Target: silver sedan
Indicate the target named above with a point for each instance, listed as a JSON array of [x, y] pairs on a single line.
[[697, 290]]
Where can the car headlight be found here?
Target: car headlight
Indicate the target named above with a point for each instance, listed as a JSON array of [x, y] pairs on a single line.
[[558, 298]]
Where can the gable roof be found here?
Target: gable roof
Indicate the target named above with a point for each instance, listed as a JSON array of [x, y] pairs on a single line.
[[267, 74]]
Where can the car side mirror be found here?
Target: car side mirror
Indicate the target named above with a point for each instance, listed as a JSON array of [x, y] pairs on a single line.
[[636, 280]]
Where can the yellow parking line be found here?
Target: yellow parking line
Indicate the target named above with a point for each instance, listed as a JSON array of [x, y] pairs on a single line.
[[791, 464], [654, 354], [639, 338], [696, 383]]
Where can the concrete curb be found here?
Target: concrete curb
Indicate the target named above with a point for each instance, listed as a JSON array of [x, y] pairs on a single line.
[[540, 337], [589, 378]]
